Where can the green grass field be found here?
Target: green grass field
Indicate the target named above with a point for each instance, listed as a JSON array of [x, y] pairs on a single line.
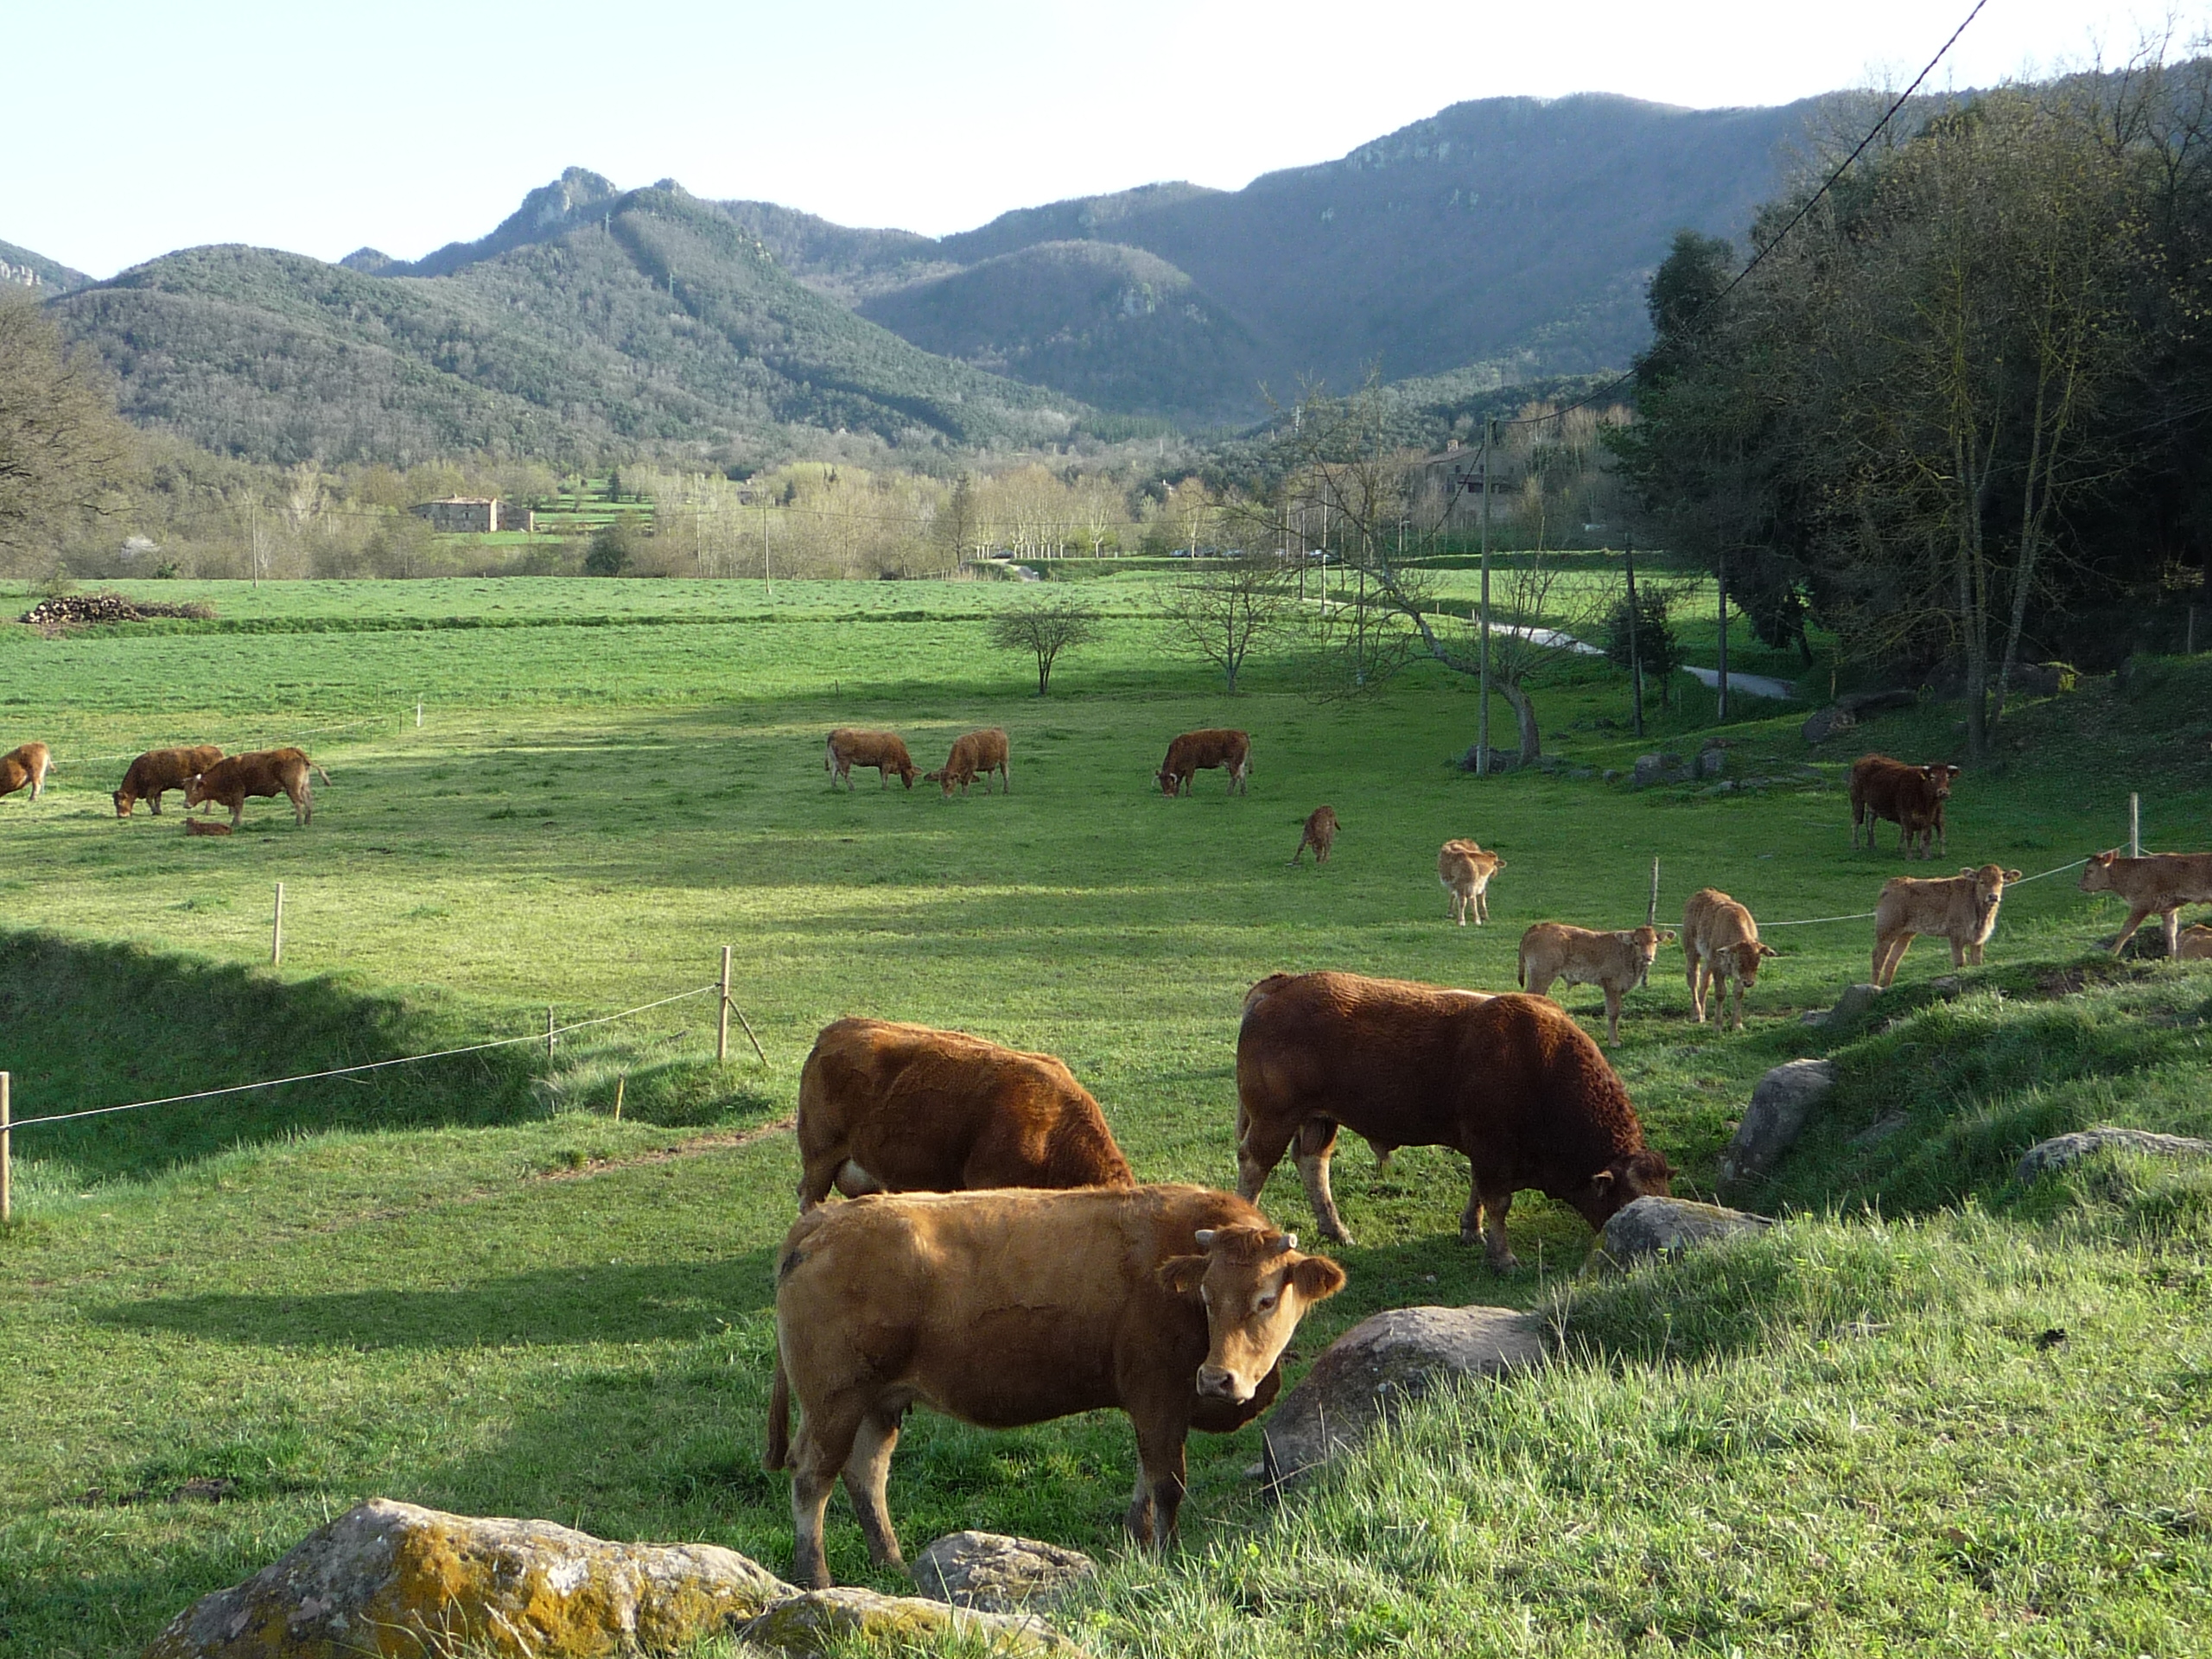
[[464, 1284]]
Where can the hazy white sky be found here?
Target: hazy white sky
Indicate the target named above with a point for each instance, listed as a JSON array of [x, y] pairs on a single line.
[[136, 128]]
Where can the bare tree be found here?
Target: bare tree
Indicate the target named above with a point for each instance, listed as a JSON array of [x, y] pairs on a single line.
[[1219, 613], [60, 443], [1044, 628]]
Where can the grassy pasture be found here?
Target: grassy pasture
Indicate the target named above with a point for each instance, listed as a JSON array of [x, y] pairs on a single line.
[[464, 1284]]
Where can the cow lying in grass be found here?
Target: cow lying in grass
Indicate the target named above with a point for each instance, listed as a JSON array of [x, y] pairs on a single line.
[[885, 751], [265, 772], [1172, 1303], [976, 753], [154, 773], [1617, 962], [1721, 946], [2158, 885], [25, 766], [1464, 870], [1961, 908]]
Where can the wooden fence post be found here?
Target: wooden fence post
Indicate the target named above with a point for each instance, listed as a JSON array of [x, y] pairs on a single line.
[[2134, 824], [721, 1023], [549, 1033], [276, 931], [7, 1154], [1652, 916]]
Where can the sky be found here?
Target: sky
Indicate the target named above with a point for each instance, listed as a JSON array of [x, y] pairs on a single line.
[[138, 128]]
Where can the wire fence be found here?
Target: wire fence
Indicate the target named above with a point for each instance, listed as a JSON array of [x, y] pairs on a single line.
[[1868, 915]]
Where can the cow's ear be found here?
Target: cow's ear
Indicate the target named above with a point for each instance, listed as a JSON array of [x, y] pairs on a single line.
[[2012, 875], [1317, 1278], [1183, 1274], [1766, 949], [1966, 869], [1667, 937], [1602, 1182]]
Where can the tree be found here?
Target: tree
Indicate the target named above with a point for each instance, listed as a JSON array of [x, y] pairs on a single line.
[[1219, 613], [1654, 648], [1044, 628], [614, 549], [62, 446]]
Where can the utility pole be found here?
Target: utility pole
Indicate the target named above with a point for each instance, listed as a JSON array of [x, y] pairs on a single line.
[[1723, 682], [1482, 718], [1635, 658], [767, 582]]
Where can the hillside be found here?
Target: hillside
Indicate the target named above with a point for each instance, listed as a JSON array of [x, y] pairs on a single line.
[[585, 321], [20, 267]]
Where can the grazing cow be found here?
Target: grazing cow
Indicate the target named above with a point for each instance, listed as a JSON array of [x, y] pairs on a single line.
[[204, 826], [1197, 751], [154, 773], [1171, 1303], [2159, 884], [1319, 834], [264, 771], [2195, 944], [28, 764], [1961, 908], [1721, 946], [1466, 869], [1510, 1082], [885, 751], [1618, 962], [885, 1108], [1910, 797], [983, 753]]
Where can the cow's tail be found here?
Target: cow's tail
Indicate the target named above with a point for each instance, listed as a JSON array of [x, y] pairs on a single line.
[[777, 1454], [1520, 966], [319, 771]]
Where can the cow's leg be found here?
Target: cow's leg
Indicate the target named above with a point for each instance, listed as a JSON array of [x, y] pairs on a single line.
[[817, 1176], [1889, 951], [1259, 1148], [1613, 1016], [2134, 920], [1693, 968], [1959, 950], [1161, 1481], [1481, 905], [1382, 1160], [238, 813], [825, 1442], [867, 1472], [1974, 953], [156, 798], [1485, 1220], [1317, 1140], [2172, 919]]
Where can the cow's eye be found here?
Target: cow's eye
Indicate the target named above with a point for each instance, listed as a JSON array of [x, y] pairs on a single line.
[[1266, 1301]]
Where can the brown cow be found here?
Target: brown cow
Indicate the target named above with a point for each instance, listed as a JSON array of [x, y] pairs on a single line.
[[1197, 751], [204, 826], [154, 773], [1002, 1309], [1910, 797], [28, 764], [1721, 946], [1617, 962], [2195, 944], [885, 751], [264, 771], [1961, 908], [2160, 883], [1510, 1082], [1319, 834], [1466, 869], [886, 1108], [983, 753]]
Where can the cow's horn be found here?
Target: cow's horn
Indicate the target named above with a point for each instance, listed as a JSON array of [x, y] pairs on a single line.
[[1205, 1237], [1290, 1241]]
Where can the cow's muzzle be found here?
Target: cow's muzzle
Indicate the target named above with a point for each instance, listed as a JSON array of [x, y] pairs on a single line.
[[1215, 1383]]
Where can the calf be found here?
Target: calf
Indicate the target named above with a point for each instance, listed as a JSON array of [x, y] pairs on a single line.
[[154, 773], [885, 751], [1319, 834], [1172, 1303], [1197, 751], [885, 1108], [2159, 884], [1466, 869], [204, 826], [1721, 946], [983, 753], [264, 771], [1510, 1082], [1961, 908], [1617, 962], [28, 764], [1910, 797]]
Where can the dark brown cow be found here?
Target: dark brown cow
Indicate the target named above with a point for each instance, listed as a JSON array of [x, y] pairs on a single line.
[[2158, 885], [1510, 1082], [887, 1108], [1172, 1303], [975, 752], [885, 751], [25, 764], [1197, 751], [1319, 834], [264, 771], [156, 772], [1910, 797]]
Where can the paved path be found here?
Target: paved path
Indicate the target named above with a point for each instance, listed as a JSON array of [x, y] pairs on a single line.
[[1752, 685]]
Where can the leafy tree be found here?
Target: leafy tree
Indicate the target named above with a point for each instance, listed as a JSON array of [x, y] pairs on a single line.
[[614, 549], [1044, 628], [1654, 649]]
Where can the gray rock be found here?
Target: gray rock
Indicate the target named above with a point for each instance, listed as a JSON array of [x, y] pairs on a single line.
[[1612, 774], [1946, 986], [1880, 1130], [1384, 1360], [1825, 723], [1656, 1226], [1712, 762], [833, 1621], [1582, 774], [994, 1573], [1782, 1100], [1852, 1005], [2063, 1149]]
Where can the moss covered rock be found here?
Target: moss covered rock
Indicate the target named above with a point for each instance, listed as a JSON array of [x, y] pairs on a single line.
[[824, 1621]]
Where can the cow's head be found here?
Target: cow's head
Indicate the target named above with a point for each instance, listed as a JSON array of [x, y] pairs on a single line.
[[943, 775], [1645, 942], [1166, 779], [124, 800], [2096, 875], [195, 789], [1989, 884], [1640, 1174], [1941, 776], [907, 774], [1255, 1287], [1741, 961]]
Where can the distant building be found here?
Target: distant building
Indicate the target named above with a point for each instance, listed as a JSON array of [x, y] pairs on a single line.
[[1460, 473], [474, 515]]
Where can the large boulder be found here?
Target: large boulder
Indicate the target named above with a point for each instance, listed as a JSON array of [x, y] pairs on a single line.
[[1383, 1361], [388, 1578], [1853, 1003], [1781, 1103], [994, 1573], [2063, 1149], [831, 1621], [1656, 1226]]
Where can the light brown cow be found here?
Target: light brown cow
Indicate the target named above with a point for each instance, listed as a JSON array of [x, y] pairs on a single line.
[[1510, 1082], [2159, 884], [1466, 869], [154, 773], [26, 765], [1319, 834], [2195, 944], [1910, 797], [1197, 751], [885, 751], [204, 826], [1171, 1303], [889, 1108], [1721, 946], [1617, 962], [264, 771], [976, 752], [1961, 908]]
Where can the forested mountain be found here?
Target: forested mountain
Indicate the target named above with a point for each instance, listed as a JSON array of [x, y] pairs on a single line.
[[587, 320], [21, 267]]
